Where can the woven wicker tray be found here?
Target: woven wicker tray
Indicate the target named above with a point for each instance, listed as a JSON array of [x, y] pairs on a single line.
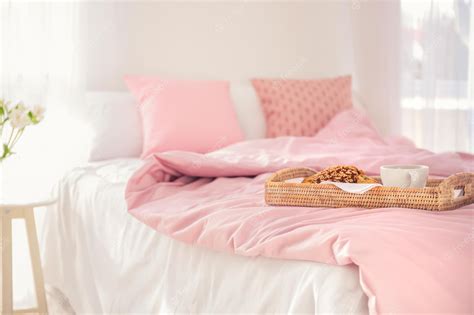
[[437, 196]]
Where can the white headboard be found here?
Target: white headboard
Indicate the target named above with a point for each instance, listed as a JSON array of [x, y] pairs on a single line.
[[232, 40]]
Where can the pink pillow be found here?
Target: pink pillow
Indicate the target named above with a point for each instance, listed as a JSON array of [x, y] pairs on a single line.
[[196, 116], [301, 107]]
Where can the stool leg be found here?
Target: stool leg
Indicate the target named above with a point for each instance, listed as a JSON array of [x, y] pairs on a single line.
[[6, 247], [36, 261]]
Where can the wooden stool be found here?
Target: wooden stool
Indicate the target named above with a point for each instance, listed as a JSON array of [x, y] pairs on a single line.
[[21, 211]]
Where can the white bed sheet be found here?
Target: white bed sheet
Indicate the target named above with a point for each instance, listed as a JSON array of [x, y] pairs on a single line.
[[106, 261]]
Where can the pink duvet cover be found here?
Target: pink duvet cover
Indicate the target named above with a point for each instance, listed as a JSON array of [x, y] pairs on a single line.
[[410, 261]]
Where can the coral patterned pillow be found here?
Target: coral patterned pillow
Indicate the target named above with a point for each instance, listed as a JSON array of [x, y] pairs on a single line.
[[301, 107]]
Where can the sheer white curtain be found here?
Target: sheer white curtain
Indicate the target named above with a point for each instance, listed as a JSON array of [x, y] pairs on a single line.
[[437, 86], [40, 63]]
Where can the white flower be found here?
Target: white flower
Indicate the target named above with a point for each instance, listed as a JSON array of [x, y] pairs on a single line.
[[38, 113], [21, 106], [19, 118]]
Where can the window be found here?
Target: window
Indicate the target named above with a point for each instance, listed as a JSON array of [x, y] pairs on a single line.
[[437, 73]]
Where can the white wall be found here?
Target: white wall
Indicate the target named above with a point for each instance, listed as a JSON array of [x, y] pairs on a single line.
[[231, 40], [376, 38]]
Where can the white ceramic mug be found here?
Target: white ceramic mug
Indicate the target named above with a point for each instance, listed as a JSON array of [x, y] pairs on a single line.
[[404, 175]]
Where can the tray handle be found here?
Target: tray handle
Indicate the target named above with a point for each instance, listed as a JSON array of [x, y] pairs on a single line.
[[289, 173], [463, 182]]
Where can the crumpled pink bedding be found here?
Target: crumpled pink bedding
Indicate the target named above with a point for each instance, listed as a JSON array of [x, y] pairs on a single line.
[[410, 261]]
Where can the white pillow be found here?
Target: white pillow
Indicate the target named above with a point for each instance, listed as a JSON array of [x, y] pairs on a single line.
[[116, 125], [248, 109]]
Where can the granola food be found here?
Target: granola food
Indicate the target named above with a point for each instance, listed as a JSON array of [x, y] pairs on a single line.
[[340, 173], [364, 179]]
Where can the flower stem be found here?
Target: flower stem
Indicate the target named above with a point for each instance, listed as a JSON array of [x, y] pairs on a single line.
[[17, 137], [11, 137]]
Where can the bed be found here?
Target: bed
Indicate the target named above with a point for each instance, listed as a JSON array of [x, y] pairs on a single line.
[[124, 266], [186, 229]]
